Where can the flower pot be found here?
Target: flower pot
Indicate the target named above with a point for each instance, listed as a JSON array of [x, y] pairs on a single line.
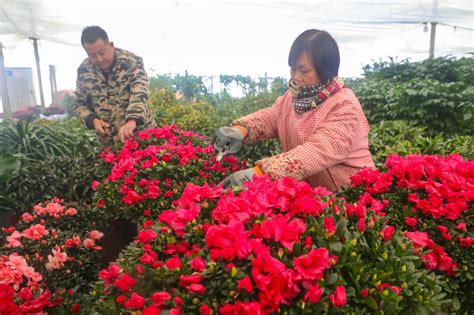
[[120, 234]]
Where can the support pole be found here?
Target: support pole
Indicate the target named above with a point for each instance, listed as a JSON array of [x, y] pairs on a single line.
[[7, 110], [38, 68], [432, 38], [52, 82]]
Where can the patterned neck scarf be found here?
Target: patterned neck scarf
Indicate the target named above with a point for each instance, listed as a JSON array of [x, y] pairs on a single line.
[[308, 97]]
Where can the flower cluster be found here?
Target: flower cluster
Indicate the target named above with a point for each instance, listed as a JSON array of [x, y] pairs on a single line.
[[55, 250], [430, 198], [273, 246], [20, 287], [151, 170]]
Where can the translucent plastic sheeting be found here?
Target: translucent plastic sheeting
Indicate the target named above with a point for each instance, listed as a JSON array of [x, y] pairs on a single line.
[[244, 37], [62, 21]]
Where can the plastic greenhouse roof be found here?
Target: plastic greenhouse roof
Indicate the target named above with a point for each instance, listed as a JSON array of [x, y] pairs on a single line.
[[216, 37]]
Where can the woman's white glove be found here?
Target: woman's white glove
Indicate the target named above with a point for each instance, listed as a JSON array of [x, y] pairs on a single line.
[[239, 177], [228, 139]]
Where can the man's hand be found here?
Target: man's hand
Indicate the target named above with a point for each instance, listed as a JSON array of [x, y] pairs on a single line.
[[229, 139], [126, 131], [239, 177], [101, 127]]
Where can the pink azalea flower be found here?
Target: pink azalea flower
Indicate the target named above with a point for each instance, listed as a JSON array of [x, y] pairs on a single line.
[[95, 235], [35, 232], [57, 260]]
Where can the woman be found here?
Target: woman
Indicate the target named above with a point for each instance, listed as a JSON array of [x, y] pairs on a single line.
[[322, 129]]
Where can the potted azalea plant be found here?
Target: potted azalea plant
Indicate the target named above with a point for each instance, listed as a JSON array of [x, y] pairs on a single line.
[[430, 198], [150, 171], [272, 247], [48, 259]]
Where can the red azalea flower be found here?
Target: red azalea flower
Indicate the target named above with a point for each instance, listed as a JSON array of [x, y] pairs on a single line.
[[125, 282], [361, 225], [313, 294], [364, 292], [442, 228], [120, 299], [25, 294], [149, 258], [395, 289], [311, 266], [387, 232], [411, 222], [36, 305], [159, 298], [196, 288], [420, 239], [144, 236], [338, 298], [173, 263], [205, 310], [191, 279], [462, 227], [465, 241], [110, 274], [248, 308], [75, 308], [245, 284], [329, 226], [228, 241], [447, 236], [198, 264], [94, 185], [136, 301], [148, 223], [151, 310]]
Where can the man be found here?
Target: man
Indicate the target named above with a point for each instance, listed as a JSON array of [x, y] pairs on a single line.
[[112, 89]]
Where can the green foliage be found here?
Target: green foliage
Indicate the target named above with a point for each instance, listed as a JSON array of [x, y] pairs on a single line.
[[60, 224], [8, 165], [56, 160], [55, 176], [436, 93], [380, 275], [191, 86], [429, 194], [399, 137]]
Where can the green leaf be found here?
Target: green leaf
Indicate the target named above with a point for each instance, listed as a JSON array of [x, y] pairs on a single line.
[[9, 164], [335, 246]]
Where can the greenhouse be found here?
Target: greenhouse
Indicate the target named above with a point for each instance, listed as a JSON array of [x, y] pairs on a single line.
[[237, 157]]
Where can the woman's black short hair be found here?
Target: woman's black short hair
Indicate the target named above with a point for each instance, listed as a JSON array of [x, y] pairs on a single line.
[[92, 33], [323, 51]]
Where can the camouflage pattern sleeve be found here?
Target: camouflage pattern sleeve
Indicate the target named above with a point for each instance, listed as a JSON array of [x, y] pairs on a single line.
[[139, 91], [81, 107]]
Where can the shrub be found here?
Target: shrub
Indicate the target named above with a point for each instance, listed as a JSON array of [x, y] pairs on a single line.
[[61, 243], [430, 198], [272, 247], [151, 170], [400, 137], [56, 160]]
